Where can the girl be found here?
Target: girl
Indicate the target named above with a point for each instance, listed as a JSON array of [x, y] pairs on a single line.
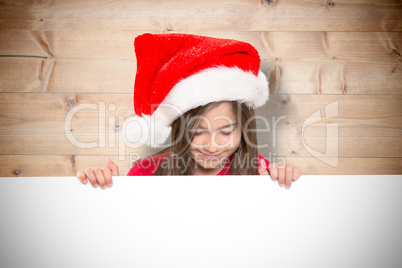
[[201, 91]]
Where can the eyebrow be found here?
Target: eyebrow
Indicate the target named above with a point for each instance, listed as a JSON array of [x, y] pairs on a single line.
[[201, 127]]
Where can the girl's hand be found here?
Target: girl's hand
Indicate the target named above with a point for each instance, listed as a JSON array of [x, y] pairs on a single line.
[[284, 175], [102, 177]]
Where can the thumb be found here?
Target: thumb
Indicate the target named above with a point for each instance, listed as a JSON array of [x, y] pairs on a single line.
[[113, 167]]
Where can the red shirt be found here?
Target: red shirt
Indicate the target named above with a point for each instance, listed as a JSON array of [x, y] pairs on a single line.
[[146, 167]]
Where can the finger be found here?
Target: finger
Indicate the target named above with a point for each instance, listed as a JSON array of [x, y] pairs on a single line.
[[262, 169], [100, 178], [108, 176], [113, 167], [288, 176], [82, 177], [91, 176], [273, 170], [281, 176], [296, 173]]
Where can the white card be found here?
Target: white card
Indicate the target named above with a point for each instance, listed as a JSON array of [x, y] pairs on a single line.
[[202, 221]]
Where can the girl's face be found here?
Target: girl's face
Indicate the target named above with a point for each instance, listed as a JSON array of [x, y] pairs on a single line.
[[216, 138]]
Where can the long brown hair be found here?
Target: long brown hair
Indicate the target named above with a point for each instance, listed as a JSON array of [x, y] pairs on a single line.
[[178, 160]]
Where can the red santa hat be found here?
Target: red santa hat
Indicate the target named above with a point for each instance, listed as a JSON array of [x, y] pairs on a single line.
[[179, 72]]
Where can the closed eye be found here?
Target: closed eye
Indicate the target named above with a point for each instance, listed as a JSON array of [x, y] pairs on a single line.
[[198, 132], [223, 132]]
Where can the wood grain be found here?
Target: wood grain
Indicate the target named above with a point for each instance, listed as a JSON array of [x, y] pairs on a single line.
[[109, 76], [294, 62], [49, 75], [163, 16], [370, 47]]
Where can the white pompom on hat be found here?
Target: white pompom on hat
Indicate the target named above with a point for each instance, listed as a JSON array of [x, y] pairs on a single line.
[[179, 72]]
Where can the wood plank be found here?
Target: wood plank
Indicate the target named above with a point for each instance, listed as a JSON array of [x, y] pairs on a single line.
[[295, 62], [251, 15], [54, 165], [314, 76], [370, 47], [23, 74], [368, 125], [103, 45], [68, 165], [23, 43], [50, 75]]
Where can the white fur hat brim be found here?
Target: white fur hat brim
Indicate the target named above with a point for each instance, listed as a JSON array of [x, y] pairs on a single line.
[[210, 85]]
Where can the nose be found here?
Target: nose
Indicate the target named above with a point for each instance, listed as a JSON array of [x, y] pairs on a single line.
[[210, 146]]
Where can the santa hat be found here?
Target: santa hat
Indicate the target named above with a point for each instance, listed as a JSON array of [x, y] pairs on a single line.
[[179, 72]]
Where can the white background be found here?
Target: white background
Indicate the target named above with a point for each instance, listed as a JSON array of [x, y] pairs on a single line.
[[197, 221]]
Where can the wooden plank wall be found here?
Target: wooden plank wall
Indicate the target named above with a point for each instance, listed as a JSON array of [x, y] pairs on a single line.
[[67, 74]]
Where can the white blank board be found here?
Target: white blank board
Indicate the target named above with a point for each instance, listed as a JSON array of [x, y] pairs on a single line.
[[202, 221]]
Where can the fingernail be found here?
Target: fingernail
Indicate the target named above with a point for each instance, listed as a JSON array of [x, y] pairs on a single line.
[[109, 184], [85, 181], [96, 185], [103, 187], [281, 185]]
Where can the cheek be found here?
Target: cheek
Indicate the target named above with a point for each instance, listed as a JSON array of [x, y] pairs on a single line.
[[197, 142], [226, 140]]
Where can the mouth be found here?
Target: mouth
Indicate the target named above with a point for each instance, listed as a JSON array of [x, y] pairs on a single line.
[[210, 156]]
